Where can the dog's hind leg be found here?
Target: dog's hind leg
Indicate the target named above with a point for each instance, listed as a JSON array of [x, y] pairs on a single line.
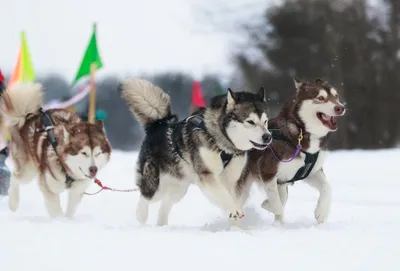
[[19, 176], [142, 209], [319, 182], [173, 194], [148, 180], [51, 199]]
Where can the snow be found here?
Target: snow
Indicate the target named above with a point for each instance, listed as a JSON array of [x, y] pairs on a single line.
[[360, 234]]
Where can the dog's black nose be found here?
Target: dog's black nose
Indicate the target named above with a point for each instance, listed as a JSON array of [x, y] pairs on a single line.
[[267, 138], [93, 171], [339, 109]]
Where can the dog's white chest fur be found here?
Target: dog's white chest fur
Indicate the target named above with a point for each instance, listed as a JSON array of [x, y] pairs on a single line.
[[287, 170]]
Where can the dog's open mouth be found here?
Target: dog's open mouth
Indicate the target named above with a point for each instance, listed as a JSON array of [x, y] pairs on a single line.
[[328, 121], [259, 146], [91, 176]]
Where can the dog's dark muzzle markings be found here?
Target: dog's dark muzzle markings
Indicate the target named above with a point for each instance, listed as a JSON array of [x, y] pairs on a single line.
[[266, 138]]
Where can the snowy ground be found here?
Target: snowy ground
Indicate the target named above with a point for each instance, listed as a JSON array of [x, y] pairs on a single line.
[[360, 235]]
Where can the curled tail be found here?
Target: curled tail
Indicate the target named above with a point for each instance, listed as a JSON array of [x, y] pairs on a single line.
[[147, 102], [20, 101]]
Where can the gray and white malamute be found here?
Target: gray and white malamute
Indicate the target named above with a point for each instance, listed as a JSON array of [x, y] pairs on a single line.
[[208, 148]]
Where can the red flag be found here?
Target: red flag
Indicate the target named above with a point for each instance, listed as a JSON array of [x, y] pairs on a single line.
[[1, 77], [197, 95]]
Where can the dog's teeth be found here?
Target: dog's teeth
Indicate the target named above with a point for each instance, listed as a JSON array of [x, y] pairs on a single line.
[[333, 120]]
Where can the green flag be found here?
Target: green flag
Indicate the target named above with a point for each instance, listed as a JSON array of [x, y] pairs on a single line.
[[91, 56]]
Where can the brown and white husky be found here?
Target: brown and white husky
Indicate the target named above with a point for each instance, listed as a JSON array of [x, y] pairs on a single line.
[[298, 150], [64, 152]]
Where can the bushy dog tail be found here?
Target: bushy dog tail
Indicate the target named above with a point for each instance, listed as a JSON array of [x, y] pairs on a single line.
[[20, 101], [147, 102]]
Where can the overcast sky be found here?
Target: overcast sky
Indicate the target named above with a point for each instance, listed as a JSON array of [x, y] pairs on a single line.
[[133, 35]]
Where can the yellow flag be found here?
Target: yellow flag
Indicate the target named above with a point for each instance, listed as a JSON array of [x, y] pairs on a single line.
[[23, 70]]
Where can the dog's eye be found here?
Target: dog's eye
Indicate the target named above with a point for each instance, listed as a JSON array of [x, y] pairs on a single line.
[[85, 153], [251, 122], [321, 98], [97, 154]]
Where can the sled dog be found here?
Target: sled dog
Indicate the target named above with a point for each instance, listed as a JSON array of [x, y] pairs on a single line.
[[298, 150], [209, 148], [54, 145]]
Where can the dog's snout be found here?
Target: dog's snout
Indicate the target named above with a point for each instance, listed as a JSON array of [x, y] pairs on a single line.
[[267, 137], [339, 109], [93, 171]]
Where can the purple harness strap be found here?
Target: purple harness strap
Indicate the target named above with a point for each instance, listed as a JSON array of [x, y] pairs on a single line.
[[298, 148]]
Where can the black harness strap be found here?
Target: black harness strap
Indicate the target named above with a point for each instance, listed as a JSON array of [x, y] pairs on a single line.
[[177, 138], [48, 125], [197, 121], [304, 171], [309, 161]]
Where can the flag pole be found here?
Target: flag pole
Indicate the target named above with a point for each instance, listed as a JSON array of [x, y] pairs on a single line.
[[92, 98]]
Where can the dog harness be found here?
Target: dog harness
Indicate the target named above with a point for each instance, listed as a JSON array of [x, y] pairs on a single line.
[[48, 125], [198, 121], [309, 161]]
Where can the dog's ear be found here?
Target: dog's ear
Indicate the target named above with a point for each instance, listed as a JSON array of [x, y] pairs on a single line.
[[262, 94], [61, 132], [320, 81], [68, 128], [297, 83], [230, 100], [100, 124], [66, 134]]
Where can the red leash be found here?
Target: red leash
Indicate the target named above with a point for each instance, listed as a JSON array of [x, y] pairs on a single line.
[[103, 187]]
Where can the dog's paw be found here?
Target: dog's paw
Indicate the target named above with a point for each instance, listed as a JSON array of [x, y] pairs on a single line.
[[13, 204], [13, 200], [278, 219], [56, 214], [276, 208], [237, 215], [13, 197], [322, 211]]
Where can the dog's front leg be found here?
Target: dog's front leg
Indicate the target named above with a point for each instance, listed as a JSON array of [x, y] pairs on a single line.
[[273, 204], [75, 196], [74, 199], [213, 189], [51, 200], [283, 195], [318, 181]]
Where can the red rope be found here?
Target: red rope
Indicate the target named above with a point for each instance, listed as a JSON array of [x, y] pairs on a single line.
[[103, 187]]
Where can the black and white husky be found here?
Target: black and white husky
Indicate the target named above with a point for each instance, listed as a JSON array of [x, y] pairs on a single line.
[[207, 149]]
